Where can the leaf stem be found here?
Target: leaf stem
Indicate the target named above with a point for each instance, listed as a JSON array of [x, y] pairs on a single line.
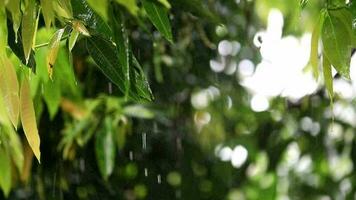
[[47, 43]]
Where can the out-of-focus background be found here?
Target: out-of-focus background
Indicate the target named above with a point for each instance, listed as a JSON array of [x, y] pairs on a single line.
[[237, 114]]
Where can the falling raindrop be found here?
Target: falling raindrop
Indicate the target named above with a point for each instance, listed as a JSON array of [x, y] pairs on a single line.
[[42, 89], [144, 141], [146, 172], [131, 155], [110, 87], [159, 180], [354, 24]]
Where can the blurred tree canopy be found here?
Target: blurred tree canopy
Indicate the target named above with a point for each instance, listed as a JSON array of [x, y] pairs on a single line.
[[177, 99]]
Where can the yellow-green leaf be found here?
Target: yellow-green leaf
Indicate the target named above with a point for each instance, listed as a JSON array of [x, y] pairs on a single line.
[[14, 7], [9, 87], [53, 50], [64, 8], [100, 8], [328, 78], [15, 147], [5, 171], [48, 13], [165, 3], [29, 27], [3, 31], [314, 56], [72, 39], [79, 27], [28, 119], [130, 5]]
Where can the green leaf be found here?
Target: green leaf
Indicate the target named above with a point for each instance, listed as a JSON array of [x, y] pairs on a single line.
[[130, 5], [72, 39], [15, 148], [52, 96], [29, 27], [314, 56], [105, 149], [47, 11], [100, 8], [196, 7], [3, 31], [94, 23], [104, 53], [336, 40], [16, 45], [328, 78], [5, 171], [64, 8], [139, 82], [14, 7], [159, 17], [138, 111], [122, 41], [165, 3], [303, 3]]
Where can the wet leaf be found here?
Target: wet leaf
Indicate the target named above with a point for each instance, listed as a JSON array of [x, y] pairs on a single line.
[[5, 171], [122, 41], [105, 54], [93, 22], [53, 50], [29, 27], [10, 90], [28, 118], [105, 149], [48, 13], [336, 40], [140, 85], [159, 17]]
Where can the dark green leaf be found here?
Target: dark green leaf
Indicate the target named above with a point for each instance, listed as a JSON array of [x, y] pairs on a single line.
[[122, 41], [85, 13], [104, 54], [139, 82], [158, 15]]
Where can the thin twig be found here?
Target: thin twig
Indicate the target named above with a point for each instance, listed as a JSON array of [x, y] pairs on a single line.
[[47, 43]]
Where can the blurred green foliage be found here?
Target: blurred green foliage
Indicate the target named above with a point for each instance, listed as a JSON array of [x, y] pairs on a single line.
[[133, 110]]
